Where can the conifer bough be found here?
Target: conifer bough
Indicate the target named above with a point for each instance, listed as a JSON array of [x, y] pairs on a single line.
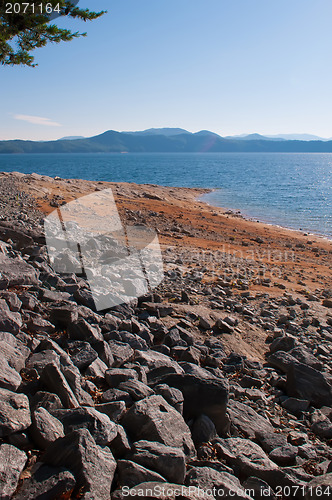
[[26, 26]]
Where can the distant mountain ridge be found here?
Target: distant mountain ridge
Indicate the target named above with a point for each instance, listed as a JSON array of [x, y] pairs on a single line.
[[166, 140]]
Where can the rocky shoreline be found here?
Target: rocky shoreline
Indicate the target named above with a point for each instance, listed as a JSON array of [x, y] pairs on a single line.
[[216, 385]]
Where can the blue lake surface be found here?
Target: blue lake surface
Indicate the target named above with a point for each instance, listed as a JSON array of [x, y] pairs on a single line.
[[289, 189]]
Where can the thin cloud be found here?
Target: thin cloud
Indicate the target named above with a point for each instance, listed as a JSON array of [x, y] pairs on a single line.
[[37, 120]]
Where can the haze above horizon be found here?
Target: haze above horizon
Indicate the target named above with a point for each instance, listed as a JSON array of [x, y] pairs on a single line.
[[234, 68]]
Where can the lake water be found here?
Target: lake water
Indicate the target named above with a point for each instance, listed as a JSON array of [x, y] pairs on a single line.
[[289, 189]]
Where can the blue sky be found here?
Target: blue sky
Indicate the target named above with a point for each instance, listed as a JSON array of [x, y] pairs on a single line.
[[230, 66]]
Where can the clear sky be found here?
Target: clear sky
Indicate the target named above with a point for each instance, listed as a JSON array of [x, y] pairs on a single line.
[[229, 66]]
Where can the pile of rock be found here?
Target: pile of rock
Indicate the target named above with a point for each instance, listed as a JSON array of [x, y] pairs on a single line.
[[141, 397]]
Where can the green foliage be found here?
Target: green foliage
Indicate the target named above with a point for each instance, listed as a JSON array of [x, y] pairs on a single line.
[[30, 27]]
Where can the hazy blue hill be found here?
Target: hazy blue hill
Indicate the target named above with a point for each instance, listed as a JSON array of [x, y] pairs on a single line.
[[206, 132], [168, 132], [254, 137], [298, 137], [186, 142], [71, 138]]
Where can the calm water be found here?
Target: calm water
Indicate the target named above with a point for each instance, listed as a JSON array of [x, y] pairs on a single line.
[[292, 190]]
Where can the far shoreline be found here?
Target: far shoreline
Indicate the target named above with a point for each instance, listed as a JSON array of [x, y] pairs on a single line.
[[251, 218]]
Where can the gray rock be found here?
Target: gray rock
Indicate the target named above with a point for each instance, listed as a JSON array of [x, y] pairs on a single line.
[[92, 465], [63, 315], [306, 357], [281, 360], [97, 369], [12, 462], [120, 446], [226, 485], [13, 350], [284, 456], [16, 272], [14, 412], [136, 389], [46, 483], [191, 354], [39, 360], [154, 360], [271, 440], [54, 296], [37, 324], [9, 378], [9, 321], [247, 456], [203, 393], [247, 420], [205, 323], [222, 326], [296, 406], [85, 298], [12, 300], [130, 474], [29, 301], [74, 379], [114, 410], [48, 344], [283, 343], [102, 429], [82, 354], [45, 428], [45, 400], [113, 395], [168, 461], [121, 351], [321, 425], [173, 396], [82, 330], [135, 341], [115, 376], [203, 430], [305, 382], [154, 419], [104, 352], [159, 310], [55, 381]]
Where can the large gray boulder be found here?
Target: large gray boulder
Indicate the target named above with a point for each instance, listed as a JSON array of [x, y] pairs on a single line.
[[157, 363], [9, 321], [153, 419], [16, 272], [12, 462], [46, 483], [93, 466], [102, 429], [208, 396], [13, 350], [130, 474], [247, 420], [247, 456], [9, 378], [305, 382], [168, 461], [45, 428], [14, 412], [55, 381]]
